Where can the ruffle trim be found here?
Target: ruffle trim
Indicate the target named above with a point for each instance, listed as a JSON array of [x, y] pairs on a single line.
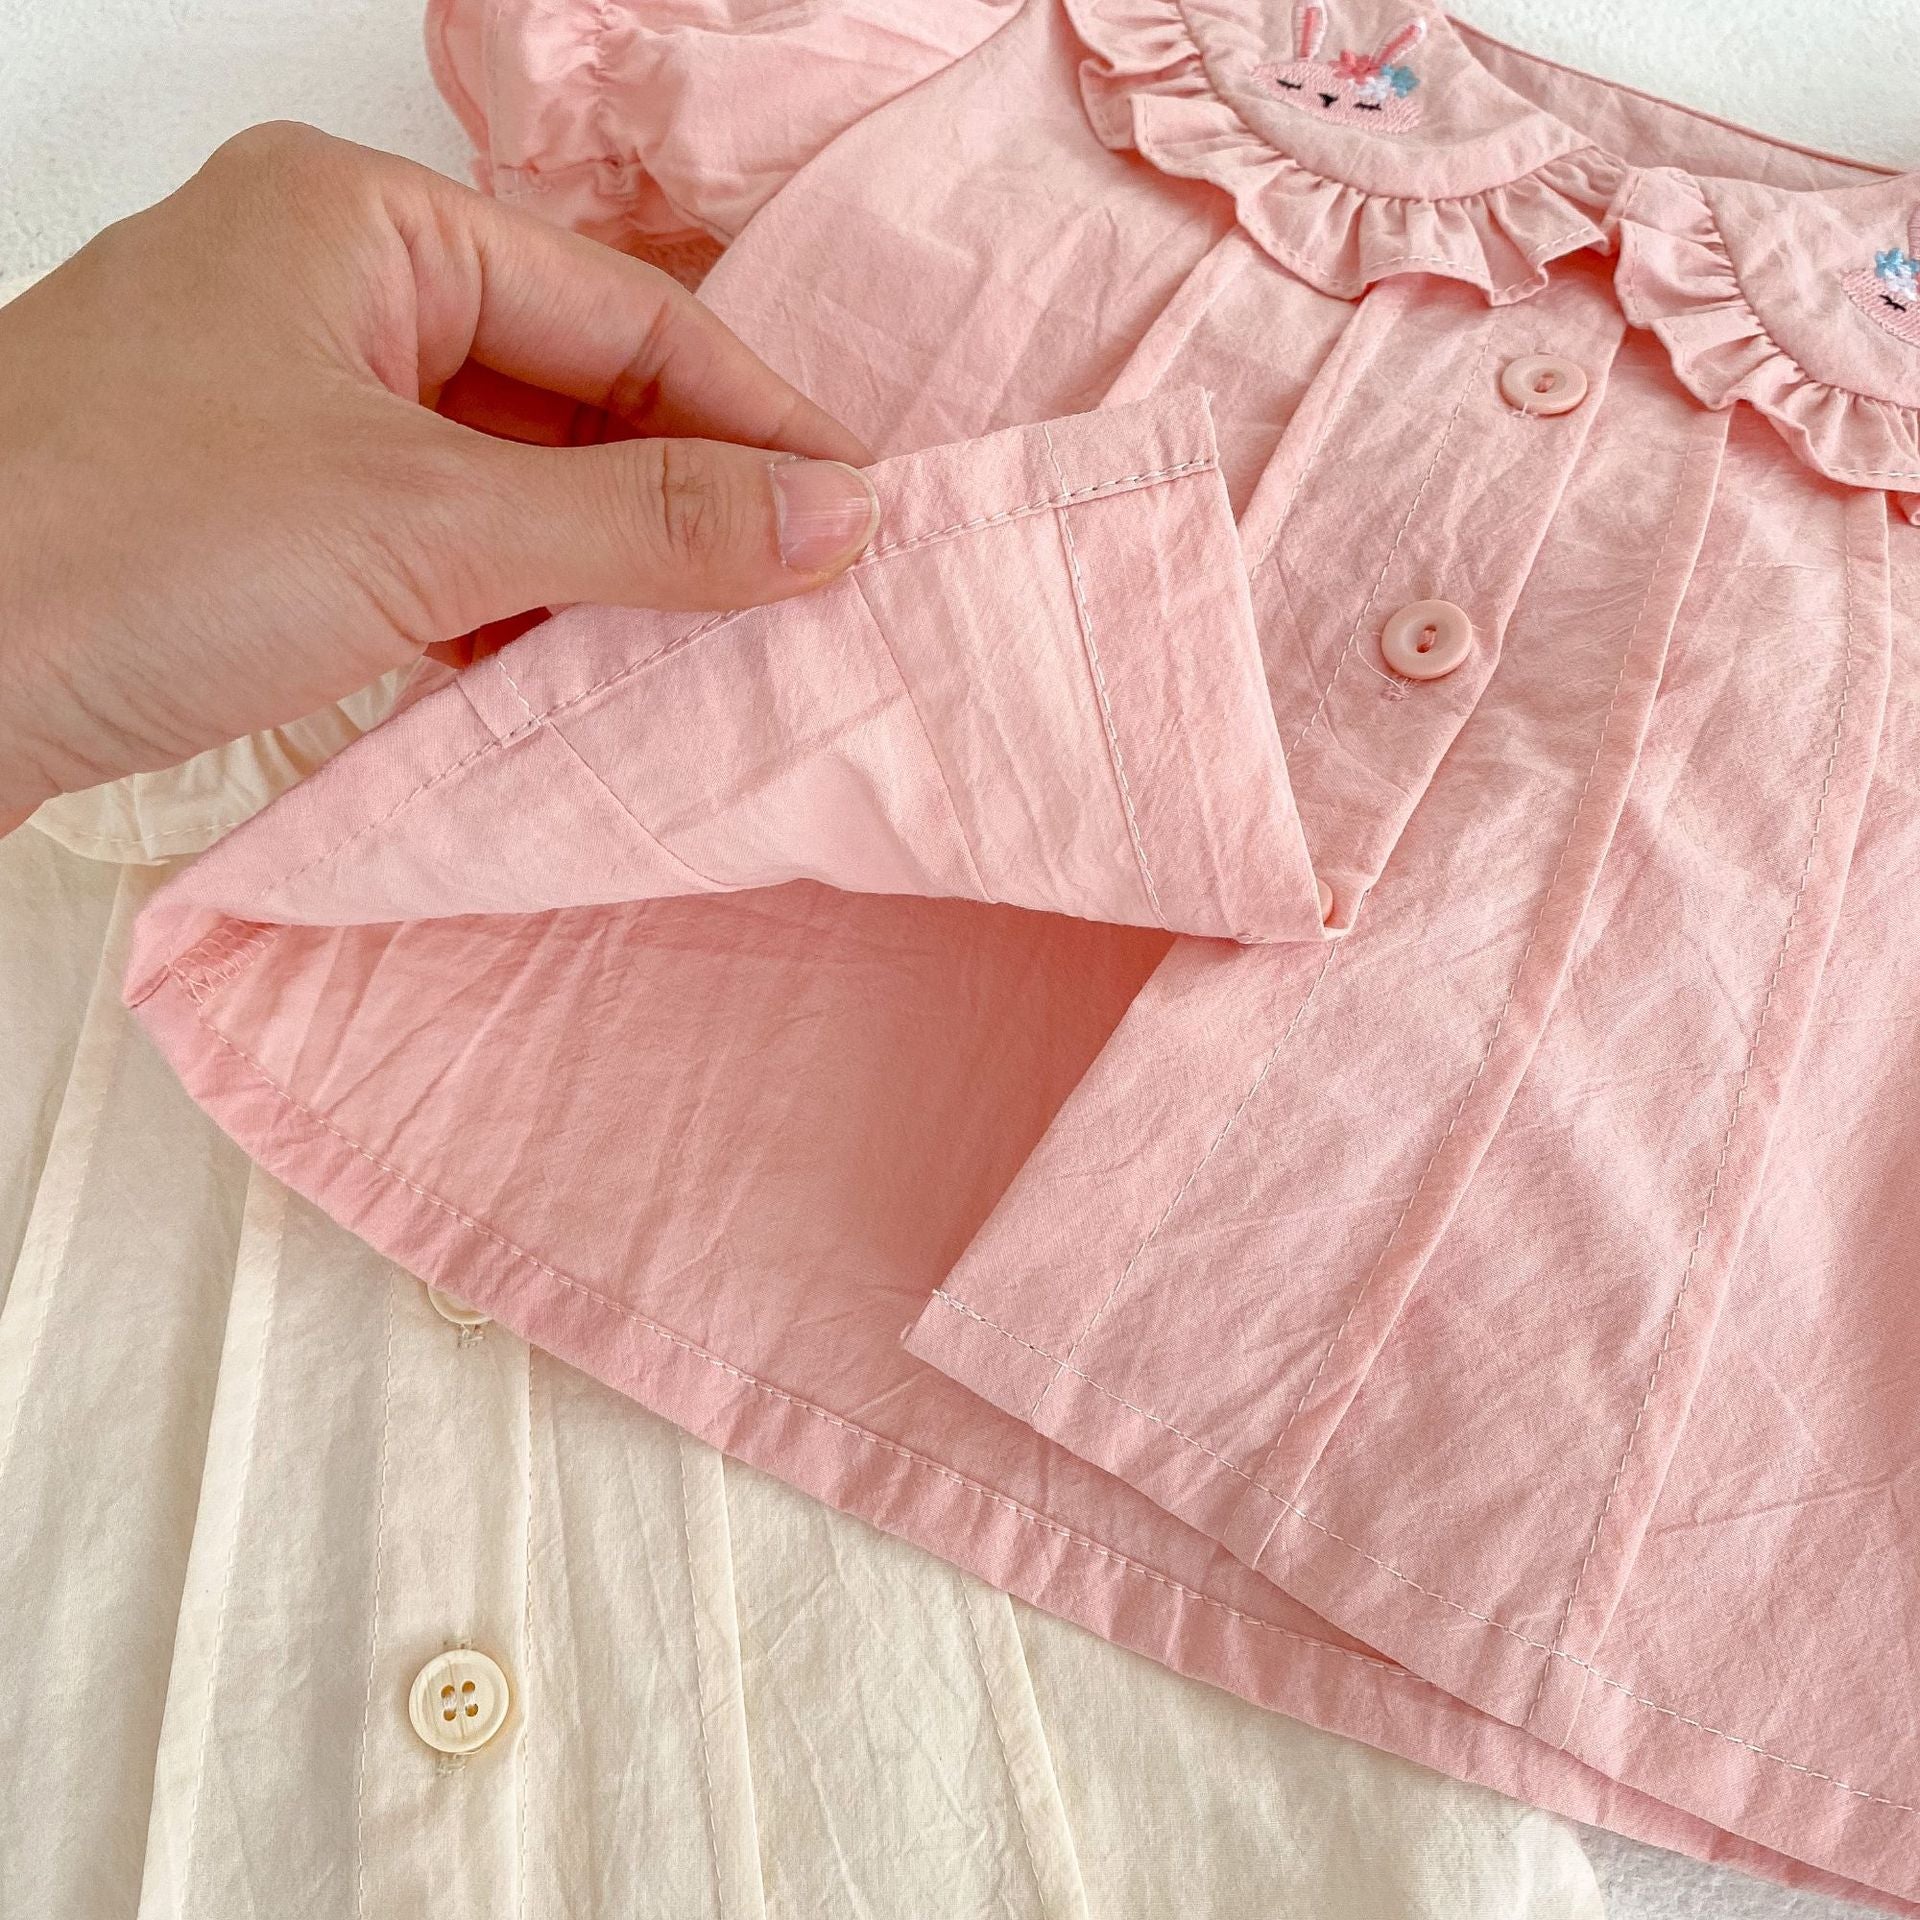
[[1146, 88], [610, 199], [1678, 279]]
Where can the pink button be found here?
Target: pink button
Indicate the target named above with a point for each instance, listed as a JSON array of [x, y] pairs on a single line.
[[1426, 638], [1326, 899], [1543, 383]]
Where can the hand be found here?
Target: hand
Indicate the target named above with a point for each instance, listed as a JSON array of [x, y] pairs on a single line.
[[322, 409]]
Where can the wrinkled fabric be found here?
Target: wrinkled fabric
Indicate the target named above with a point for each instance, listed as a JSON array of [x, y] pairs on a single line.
[[896, 1036], [250, 1480]]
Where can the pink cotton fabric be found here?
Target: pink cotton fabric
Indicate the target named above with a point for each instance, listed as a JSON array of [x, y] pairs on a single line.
[[894, 1033]]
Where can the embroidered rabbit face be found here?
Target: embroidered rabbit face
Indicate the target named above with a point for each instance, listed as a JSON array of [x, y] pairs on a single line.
[[1358, 89], [1889, 293]]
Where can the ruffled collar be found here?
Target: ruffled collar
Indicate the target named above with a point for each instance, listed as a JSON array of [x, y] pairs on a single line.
[[1478, 187], [1365, 138]]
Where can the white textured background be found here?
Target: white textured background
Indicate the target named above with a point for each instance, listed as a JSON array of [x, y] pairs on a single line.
[[105, 105]]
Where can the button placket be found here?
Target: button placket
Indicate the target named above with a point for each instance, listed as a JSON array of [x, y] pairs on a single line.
[[459, 1701], [1382, 617], [438, 1779], [1543, 383], [456, 1311], [1426, 639]]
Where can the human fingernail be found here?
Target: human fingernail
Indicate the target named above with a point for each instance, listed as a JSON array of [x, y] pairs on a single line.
[[824, 512]]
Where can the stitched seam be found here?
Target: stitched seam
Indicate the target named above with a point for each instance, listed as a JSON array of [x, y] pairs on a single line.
[[236, 960], [1153, 1233], [373, 1615], [1413, 507], [1499, 1025], [1627, 650], [1100, 487], [926, 733], [493, 742], [700, 1686], [228, 937], [664, 652], [487, 746], [1874, 473], [600, 110], [1407, 1579], [152, 843], [1100, 684], [526, 704], [865, 1435], [1026, 1514], [1733, 1117], [1006, 1759], [247, 1455], [1539, 253]]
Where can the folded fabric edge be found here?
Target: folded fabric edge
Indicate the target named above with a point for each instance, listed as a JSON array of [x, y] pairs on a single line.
[[1233, 829], [1000, 1540]]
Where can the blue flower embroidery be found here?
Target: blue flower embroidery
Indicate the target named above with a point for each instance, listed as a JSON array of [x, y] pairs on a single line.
[[1890, 295], [1378, 84], [1899, 272]]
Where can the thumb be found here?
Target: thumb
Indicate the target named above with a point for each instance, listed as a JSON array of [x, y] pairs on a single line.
[[674, 524]]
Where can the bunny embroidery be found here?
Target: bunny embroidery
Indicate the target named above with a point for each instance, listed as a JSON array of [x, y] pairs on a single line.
[[1357, 90], [1889, 294]]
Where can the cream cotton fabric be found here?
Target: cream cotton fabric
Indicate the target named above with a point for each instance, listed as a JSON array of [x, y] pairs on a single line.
[[250, 1480]]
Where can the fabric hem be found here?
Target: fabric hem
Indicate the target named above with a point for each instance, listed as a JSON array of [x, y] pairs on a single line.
[[1341, 1580], [1350, 1692]]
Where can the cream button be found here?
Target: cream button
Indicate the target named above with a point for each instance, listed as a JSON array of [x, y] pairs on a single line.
[[448, 1308], [1543, 383], [1426, 638], [1326, 899], [458, 1702]]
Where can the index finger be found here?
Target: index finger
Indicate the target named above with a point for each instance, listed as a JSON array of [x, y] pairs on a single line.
[[559, 312]]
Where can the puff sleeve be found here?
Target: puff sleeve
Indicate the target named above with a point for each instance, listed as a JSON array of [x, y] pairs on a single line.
[[716, 103]]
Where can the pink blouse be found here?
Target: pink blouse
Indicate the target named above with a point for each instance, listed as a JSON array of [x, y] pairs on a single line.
[[1286, 1024]]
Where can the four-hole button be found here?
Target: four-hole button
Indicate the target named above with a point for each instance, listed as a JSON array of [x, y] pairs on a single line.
[[458, 1701]]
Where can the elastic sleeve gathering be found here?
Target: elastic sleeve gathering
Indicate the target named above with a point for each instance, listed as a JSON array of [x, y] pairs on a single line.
[[642, 121]]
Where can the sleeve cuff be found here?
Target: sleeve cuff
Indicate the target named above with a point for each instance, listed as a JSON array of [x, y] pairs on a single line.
[[1042, 688]]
